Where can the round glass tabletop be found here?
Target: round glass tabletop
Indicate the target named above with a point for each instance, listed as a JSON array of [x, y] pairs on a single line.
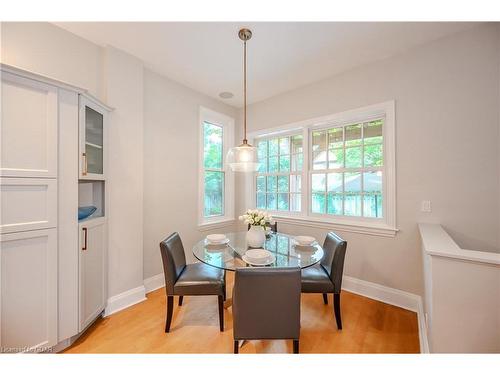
[[230, 256]]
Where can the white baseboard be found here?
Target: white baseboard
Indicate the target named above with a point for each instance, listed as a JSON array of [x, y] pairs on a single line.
[[126, 299], [154, 282], [381, 293], [391, 296]]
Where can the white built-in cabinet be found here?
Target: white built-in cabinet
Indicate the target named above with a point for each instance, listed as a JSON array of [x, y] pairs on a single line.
[[93, 120], [92, 273], [53, 268]]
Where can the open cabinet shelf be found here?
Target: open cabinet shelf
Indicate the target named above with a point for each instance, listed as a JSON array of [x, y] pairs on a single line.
[[91, 193]]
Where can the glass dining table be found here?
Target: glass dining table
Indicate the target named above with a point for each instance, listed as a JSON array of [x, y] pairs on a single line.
[[230, 256]]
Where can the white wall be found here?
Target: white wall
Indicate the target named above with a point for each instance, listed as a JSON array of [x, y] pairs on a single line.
[[447, 99], [123, 77], [46, 49], [498, 149], [171, 165]]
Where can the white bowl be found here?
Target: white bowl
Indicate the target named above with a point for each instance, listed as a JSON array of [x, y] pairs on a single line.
[[258, 256], [305, 240], [216, 238]]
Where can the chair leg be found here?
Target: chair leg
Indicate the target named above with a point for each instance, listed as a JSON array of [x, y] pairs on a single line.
[[170, 310], [221, 313], [295, 346], [325, 298], [180, 300], [336, 309], [236, 346]]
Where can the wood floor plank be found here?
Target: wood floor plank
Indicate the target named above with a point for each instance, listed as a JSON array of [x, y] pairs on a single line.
[[369, 326]]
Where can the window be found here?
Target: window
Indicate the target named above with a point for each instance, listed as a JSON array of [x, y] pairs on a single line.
[[216, 181], [334, 172], [278, 181], [213, 166], [347, 169]]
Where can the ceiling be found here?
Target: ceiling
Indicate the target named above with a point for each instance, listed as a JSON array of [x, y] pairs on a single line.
[[282, 56]]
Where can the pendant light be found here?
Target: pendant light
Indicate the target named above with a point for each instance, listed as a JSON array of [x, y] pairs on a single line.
[[243, 158]]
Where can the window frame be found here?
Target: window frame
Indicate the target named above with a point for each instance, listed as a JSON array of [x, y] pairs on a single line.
[[227, 124], [385, 226], [279, 173], [345, 169]]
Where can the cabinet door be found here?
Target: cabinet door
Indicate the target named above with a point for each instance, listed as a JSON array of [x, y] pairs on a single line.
[[28, 286], [28, 204], [92, 270], [28, 132], [93, 120]]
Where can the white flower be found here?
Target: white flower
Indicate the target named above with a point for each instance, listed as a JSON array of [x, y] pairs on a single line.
[[240, 218], [262, 222], [252, 221], [247, 222]]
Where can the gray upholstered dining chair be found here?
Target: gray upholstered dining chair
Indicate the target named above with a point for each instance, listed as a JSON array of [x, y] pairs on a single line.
[[326, 277], [183, 279], [266, 305]]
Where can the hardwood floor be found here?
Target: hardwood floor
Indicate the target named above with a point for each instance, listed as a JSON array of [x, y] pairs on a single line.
[[369, 326]]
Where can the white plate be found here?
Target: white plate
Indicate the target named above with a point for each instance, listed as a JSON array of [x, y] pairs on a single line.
[[224, 242], [271, 260], [305, 240]]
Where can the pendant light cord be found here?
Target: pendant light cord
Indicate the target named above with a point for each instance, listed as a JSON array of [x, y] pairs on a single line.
[[245, 141]]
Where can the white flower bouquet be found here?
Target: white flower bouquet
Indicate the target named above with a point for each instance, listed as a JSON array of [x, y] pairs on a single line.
[[256, 218]]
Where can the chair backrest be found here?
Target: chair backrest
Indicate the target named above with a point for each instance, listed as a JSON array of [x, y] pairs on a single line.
[[274, 227], [174, 260], [266, 303], [333, 260]]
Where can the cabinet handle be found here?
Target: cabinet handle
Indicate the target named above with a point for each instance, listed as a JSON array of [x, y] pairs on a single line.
[[84, 159], [84, 239]]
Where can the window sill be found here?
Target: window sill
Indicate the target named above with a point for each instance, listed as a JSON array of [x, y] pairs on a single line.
[[214, 224], [374, 229]]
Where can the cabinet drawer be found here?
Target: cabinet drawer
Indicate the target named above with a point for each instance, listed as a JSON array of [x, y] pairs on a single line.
[[28, 204], [28, 286]]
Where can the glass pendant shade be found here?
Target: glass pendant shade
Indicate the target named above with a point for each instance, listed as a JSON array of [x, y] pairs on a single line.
[[242, 158]]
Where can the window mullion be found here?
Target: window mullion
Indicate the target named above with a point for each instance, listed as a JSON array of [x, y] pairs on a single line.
[[306, 168]]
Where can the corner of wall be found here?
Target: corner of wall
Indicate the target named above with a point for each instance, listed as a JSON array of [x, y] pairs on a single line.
[[123, 83]]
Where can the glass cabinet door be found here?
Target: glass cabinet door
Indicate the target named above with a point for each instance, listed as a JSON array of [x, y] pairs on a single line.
[[94, 141]]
